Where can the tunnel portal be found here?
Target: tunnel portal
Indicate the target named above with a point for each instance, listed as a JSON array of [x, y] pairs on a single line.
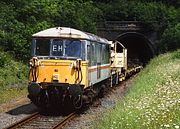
[[140, 49]]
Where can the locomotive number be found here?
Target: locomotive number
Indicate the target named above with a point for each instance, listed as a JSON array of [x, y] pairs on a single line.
[[57, 48]]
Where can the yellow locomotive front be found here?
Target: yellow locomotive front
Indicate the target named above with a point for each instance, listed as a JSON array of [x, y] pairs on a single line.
[[58, 69]]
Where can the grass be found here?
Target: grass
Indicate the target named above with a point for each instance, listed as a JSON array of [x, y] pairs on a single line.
[[13, 78], [10, 94], [153, 101]]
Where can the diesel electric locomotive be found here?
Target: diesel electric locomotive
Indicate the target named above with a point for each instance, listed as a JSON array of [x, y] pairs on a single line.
[[69, 67], [64, 63]]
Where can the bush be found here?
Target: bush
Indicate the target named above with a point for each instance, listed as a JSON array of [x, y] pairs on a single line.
[[20, 19], [170, 39], [4, 58], [11, 72]]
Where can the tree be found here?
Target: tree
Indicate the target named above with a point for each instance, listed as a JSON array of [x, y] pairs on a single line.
[[170, 39]]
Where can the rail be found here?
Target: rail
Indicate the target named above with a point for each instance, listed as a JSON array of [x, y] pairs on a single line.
[[37, 120], [65, 120], [23, 121]]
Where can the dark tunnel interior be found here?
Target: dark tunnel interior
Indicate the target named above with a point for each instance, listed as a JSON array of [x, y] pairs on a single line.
[[139, 48]]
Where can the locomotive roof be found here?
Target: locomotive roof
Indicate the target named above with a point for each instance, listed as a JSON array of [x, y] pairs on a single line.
[[65, 32]]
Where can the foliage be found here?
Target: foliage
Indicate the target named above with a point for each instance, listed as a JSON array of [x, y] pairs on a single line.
[[11, 72], [80, 15], [122, 10], [153, 101], [175, 3], [20, 19], [9, 95], [4, 59], [170, 39]]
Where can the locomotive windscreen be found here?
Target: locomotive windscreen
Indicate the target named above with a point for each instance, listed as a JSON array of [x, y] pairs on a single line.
[[57, 47]]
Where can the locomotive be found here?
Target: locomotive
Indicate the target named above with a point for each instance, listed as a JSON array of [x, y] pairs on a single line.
[[69, 67]]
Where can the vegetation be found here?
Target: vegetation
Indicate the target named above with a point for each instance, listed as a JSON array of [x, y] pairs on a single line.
[[171, 38], [13, 78], [20, 19], [11, 72], [153, 101], [10, 94]]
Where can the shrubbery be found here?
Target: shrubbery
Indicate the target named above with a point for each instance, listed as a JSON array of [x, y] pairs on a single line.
[[20, 19], [170, 39], [11, 72]]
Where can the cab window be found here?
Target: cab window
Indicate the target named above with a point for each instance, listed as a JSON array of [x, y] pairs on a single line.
[[42, 47]]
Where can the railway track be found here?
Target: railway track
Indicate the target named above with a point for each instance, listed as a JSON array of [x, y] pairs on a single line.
[[39, 121]]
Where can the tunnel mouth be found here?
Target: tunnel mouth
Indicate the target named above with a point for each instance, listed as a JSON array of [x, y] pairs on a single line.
[[139, 48]]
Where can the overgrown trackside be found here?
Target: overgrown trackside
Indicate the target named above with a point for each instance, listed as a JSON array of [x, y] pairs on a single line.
[[13, 77], [153, 101]]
